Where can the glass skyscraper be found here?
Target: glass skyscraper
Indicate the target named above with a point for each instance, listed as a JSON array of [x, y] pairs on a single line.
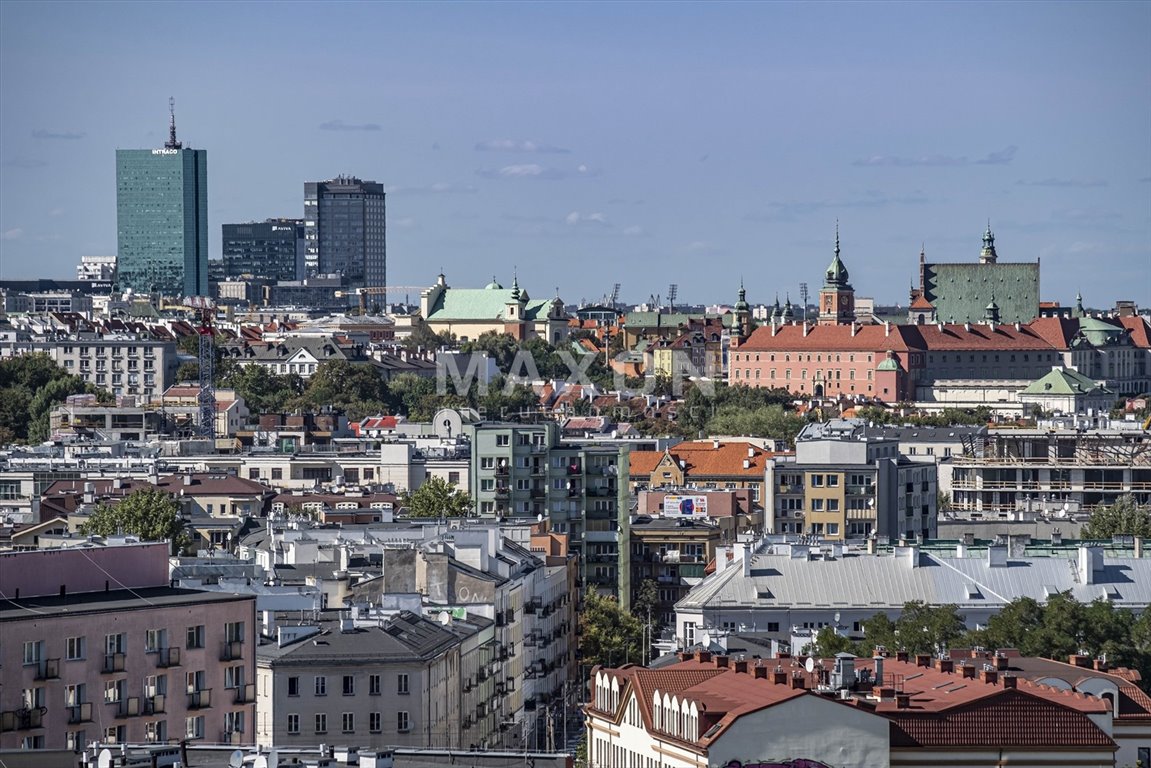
[[162, 219], [270, 250], [345, 231]]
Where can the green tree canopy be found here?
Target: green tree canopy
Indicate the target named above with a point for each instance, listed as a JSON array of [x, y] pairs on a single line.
[[1125, 517], [262, 390], [150, 513], [30, 387], [437, 498], [608, 634]]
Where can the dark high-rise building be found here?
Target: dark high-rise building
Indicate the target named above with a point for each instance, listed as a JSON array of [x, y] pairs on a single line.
[[345, 231], [162, 219], [270, 250]]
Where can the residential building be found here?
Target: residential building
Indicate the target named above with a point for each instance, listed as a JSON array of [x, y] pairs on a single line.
[[345, 231], [777, 587], [269, 250], [1061, 468], [845, 484], [468, 313], [715, 710], [162, 219], [298, 355], [703, 465], [142, 663], [1065, 390], [395, 681], [96, 269]]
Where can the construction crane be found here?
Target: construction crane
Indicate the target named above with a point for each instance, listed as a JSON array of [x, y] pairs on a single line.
[[204, 312], [614, 297], [381, 290]]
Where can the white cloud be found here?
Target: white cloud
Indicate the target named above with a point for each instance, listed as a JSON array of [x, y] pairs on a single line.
[[522, 171], [12, 234], [404, 223], [575, 217], [634, 231], [514, 145]]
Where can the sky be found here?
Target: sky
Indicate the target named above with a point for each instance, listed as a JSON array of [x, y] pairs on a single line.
[[579, 145]]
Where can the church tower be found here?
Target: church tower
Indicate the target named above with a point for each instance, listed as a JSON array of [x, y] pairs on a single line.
[[837, 297], [741, 323], [987, 252]]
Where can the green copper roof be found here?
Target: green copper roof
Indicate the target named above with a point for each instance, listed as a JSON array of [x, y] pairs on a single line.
[[1100, 333], [482, 304], [1063, 381], [960, 293], [889, 364]]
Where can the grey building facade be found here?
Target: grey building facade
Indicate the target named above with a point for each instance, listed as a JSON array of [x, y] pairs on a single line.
[[269, 250], [345, 230]]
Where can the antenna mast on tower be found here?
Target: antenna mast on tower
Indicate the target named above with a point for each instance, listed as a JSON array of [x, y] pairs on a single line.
[[172, 143]]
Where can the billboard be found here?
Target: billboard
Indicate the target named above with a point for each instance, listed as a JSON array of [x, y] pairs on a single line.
[[676, 505]]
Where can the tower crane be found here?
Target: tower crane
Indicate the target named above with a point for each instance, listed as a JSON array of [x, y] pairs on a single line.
[[204, 310]]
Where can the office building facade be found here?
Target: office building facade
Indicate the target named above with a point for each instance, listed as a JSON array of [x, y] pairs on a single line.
[[345, 231], [270, 250], [162, 219]]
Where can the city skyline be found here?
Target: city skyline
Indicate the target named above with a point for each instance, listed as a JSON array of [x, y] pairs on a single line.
[[622, 138]]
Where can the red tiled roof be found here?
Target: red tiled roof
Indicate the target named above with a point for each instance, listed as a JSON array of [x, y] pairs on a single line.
[[703, 459], [921, 303], [1056, 331], [979, 337], [1140, 331], [867, 338]]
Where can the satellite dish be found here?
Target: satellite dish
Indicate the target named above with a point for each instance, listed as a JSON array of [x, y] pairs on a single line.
[[273, 758], [236, 760], [837, 617], [260, 762], [809, 665], [104, 759]]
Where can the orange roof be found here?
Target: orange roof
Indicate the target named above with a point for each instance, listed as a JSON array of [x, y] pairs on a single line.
[[1140, 331], [867, 338], [921, 303], [980, 337], [703, 459]]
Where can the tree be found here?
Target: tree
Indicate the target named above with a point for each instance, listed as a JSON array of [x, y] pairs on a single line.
[[609, 635], [828, 642], [30, 387], [262, 390], [1125, 517], [766, 421], [924, 628], [150, 513], [437, 498]]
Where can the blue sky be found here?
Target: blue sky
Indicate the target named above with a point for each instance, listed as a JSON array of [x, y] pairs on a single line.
[[584, 144]]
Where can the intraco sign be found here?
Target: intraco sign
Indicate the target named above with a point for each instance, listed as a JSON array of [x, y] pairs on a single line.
[[165, 151], [684, 506]]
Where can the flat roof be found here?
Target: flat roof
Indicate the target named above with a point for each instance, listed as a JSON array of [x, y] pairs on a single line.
[[117, 600]]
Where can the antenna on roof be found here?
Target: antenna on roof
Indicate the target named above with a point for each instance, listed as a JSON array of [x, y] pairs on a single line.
[[172, 143]]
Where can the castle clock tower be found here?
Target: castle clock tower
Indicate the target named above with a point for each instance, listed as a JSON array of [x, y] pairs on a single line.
[[837, 297]]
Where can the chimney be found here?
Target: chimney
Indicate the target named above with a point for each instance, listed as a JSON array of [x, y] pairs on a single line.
[[779, 677], [740, 666], [945, 665], [798, 680], [686, 655], [989, 676], [886, 328], [878, 662], [703, 656], [1000, 662], [968, 671], [902, 656], [997, 556], [854, 328], [1090, 563], [1079, 660], [871, 545], [720, 661], [1139, 547], [923, 660], [805, 329], [1009, 681], [902, 700], [761, 672], [1101, 665]]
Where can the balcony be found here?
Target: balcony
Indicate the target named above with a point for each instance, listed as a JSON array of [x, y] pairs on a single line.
[[539, 468], [502, 470], [574, 469], [231, 650], [48, 669], [538, 493], [129, 707], [200, 699], [231, 737], [80, 713], [502, 492], [245, 694], [154, 705], [22, 719], [168, 657], [113, 662]]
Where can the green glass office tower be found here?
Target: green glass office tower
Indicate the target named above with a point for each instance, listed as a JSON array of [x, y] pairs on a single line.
[[162, 219]]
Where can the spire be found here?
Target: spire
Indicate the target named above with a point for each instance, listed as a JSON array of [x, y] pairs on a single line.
[[1079, 305], [172, 143], [837, 275], [837, 238], [987, 254]]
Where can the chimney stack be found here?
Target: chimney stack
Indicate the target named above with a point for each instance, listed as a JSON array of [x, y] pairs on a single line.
[[989, 676]]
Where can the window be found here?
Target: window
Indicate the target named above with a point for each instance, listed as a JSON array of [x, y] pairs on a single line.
[[374, 722], [234, 722], [833, 529], [488, 462], [33, 651], [113, 691], [817, 505], [403, 725], [347, 723], [277, 473], [402, 683], [194, 681], [321, 686], [321, 723], [115, 643], [194, 727], [349, 685], [833, 481], [155, 639], [503, 440], [195, 637], [817, 481], [234, 631], [234, 676], [293, 724], [373, 685], [773, 626], [293, 686]]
